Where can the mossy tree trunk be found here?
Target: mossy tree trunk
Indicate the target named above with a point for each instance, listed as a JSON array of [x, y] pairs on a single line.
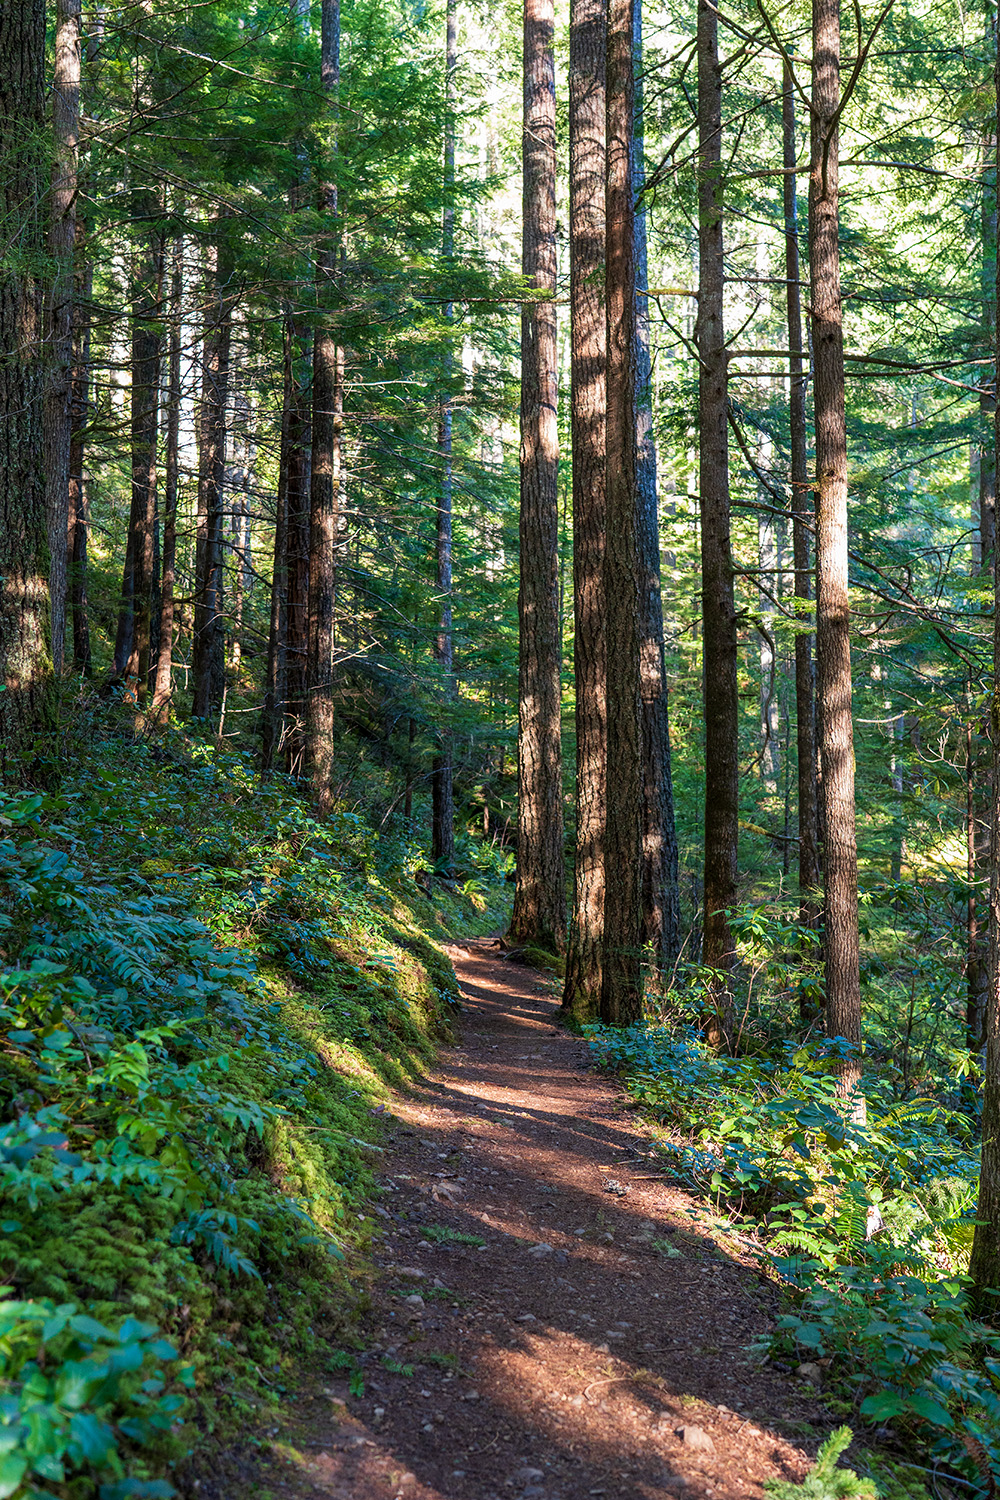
[[25, 661]]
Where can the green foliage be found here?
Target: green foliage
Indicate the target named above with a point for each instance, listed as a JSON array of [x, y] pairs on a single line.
[[767, 1138], [442, 1235], [826, 1481], [199, 1020], [79, 1396]]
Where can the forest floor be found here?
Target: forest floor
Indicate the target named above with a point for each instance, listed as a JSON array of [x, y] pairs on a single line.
[[592, 1338]]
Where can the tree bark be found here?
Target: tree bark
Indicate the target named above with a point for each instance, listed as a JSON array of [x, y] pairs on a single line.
[[977, 972], [163, 684], [276, 674], [25, 662], [978, 768], [298, 416], [132, 642], [78, 518], [327, 426], [803, 515], [539, 916], [660, 881], [984, 1264], [588, 345], [442, 777], [297, 522], [767, 558], [621, 988], [62, 237], [208, 647], [718, 604], [833, 644]]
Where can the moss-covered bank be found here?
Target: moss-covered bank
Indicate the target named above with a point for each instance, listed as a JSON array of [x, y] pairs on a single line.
[[205, 997]]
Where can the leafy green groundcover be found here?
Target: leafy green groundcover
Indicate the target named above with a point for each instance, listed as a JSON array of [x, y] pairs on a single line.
[[889, 1316], [205, 995]]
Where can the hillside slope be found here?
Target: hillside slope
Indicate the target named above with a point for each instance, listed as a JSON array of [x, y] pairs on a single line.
[[205, 996]]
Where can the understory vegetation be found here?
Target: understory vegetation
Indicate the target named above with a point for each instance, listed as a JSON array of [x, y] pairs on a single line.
[[205, 995], [868, 1224]]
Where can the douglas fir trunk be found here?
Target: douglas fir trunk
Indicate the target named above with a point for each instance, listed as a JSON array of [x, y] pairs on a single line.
[[984, 1265], [833, 644], [803, 512], [208, 646], [327, 425], [24, 657], [442, 788], [588, 335], [660, 890], [539, 916], [62, 235], [621, 988], [718, 606]]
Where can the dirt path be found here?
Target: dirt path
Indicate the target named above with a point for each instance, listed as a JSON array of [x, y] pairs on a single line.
[[590, 1342]]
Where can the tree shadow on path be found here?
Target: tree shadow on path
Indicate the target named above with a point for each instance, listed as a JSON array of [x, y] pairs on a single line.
[[553, 1319]]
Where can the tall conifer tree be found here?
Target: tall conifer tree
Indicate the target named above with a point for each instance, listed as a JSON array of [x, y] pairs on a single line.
[[327, 433], [622, 976], [24, 656], [833, 641], [588, 340], [539, 915], [442, 788], [718, 601]]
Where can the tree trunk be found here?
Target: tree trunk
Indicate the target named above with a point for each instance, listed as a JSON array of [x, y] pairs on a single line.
[[276, 676], [411, 735], [718, 605], [588, 335], [803, 513], [163, 685], [25, 663], [327, 425], [132, 643], [621, 989], [767, 558], [897, 729], [62, 236], [208, 646], [833, 643], [984, 1265], [978, 768], [539, 915], [442, 778], [977, 973], [78, 520], [297, 521], [660, 888]]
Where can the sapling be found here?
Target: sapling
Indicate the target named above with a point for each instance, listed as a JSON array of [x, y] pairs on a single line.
[[826, 1482]]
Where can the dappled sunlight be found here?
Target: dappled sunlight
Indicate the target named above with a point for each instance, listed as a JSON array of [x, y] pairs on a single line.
[[575, 1325]]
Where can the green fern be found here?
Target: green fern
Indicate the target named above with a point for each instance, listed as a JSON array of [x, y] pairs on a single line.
[[826, 1482]]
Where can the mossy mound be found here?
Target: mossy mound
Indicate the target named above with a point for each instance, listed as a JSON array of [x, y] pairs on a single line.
[[550, 963]]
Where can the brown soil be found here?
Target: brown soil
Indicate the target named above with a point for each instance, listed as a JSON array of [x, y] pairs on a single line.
[[596, 1343]]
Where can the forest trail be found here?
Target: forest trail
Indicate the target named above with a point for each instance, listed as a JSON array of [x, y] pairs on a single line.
[[561, 1359]]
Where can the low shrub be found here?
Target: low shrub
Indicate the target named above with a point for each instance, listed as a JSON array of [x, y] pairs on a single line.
[[868, 1225]]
